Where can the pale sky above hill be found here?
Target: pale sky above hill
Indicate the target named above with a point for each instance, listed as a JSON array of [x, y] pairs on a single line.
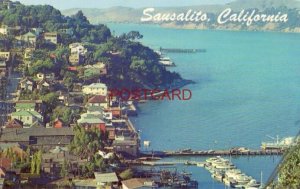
[[67, 4]]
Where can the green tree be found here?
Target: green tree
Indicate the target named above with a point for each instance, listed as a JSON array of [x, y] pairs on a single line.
[[289, 174], [127, 174], [51, 100], [38, 162], [33, 164], [64, 169]]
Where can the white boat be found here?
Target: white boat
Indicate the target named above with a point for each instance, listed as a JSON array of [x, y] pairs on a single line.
[[201, 164], [218, 176], [229, 182], [233, 173], [252, 184], [225, 166], [166, 61], [213, 159], [242, 179]]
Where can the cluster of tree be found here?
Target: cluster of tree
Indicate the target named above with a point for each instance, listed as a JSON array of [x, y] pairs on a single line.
[[51, 19], [36, 163], [17, 158], [133, 65], [87, 142], [137, 65], [64, 113]]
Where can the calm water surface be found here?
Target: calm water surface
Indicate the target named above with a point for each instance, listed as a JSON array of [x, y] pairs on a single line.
[[247, 87]]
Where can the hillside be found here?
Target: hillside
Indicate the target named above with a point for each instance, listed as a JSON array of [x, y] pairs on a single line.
[[128, 62], [126, 14]]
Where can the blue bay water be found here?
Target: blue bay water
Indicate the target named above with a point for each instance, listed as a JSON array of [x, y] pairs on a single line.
[[247, 87]]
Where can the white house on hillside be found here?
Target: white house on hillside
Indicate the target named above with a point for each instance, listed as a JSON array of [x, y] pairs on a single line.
[[95, 89]]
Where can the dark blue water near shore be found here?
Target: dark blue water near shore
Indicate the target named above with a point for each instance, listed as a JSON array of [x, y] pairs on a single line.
[[247, 87]]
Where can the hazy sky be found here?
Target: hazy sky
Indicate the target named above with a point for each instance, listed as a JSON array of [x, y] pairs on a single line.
[[66, 4]]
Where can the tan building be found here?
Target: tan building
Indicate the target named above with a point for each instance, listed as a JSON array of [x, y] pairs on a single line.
[[76, 59], [51, 37], [28, 37]]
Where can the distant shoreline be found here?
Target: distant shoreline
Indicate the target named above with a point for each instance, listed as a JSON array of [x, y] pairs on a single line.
[[205, 28]]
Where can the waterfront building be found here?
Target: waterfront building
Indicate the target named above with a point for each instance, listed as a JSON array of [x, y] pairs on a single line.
[[127, 147], [105, 179], [136, 183]]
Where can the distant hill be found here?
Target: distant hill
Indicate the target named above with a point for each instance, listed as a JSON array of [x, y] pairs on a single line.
[[126, 14]]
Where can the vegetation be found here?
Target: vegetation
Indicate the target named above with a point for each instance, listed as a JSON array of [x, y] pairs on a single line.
[[289, 174], [127, 174], [65, 114], [36, 163], [87, 142], [133, 65]]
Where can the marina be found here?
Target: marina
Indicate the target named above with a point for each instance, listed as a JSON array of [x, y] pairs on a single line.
[[224, 171]]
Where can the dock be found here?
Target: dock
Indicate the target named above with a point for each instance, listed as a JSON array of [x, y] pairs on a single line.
[[179, 50], [204, 153]]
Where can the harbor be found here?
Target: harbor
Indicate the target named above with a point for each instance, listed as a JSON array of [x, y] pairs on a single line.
[[223, 170]]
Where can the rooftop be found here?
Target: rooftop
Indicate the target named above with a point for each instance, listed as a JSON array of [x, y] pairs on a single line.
[[135, 182], [106, 177], [96, 85], [25, 105], [26, 113], [29, 34], [97, 99], [23, 134], [90, 119]]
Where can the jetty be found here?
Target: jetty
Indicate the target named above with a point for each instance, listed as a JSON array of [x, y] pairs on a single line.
[[229, 152], [179, 50]]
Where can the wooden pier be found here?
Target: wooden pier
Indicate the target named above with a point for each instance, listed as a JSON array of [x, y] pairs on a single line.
[[178, 50], [230, 152]]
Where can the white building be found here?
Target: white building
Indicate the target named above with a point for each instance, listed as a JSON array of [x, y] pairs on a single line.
[[95, 89], [77, 48]]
